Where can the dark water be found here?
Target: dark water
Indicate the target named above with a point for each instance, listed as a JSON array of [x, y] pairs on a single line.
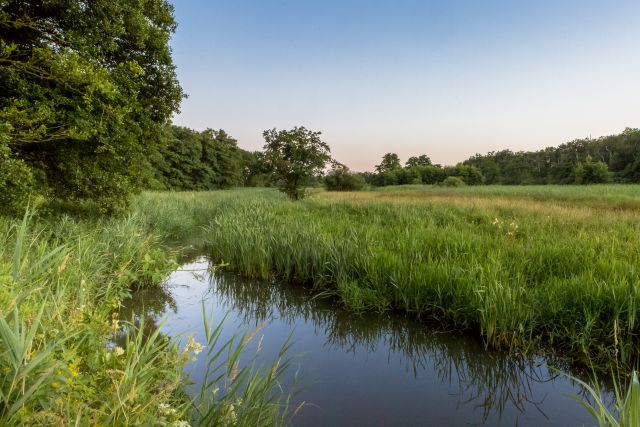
[[366, 370]]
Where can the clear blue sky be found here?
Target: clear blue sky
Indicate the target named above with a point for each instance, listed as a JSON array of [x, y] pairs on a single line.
[[447, 78]]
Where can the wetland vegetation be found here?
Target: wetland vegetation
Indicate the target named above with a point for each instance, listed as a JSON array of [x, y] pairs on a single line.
[[100, 194], [528, 270]]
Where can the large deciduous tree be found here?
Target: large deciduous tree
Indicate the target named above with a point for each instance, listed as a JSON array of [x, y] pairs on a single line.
[[85, 87], [294, 156]]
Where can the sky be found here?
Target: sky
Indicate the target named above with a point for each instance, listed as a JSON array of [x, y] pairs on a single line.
[[446, 78]]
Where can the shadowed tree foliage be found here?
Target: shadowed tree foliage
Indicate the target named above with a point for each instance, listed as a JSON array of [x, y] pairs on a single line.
[[191, 160], [255, 169], [390, 162], [420, 170], [85, 88], [295, 157], [340, 178], [590, 172]]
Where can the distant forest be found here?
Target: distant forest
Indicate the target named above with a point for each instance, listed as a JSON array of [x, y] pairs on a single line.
[[189, 160]]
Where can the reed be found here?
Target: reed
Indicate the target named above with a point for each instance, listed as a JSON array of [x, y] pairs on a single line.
[[527, 268], [66, 359], [624, 411]]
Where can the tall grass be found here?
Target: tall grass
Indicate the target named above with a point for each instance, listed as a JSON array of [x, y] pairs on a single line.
[[237, 394], [64, 356], [525, 267], [626, 412]]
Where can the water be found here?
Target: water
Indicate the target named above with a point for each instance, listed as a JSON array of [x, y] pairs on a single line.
[[367, 370]]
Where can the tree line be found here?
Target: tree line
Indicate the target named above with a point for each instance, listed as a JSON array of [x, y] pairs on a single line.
[[614, 158], [87, 90]]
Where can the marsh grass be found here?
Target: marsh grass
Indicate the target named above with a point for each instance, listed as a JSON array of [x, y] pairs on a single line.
[[626, 403], [64, 356], [239, 392], [527, 268]]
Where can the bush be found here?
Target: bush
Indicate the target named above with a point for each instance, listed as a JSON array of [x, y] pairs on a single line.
[[16, 183], [453, 181], [343, 180], [590, 172]]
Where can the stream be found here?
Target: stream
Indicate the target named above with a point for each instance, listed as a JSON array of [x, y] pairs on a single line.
[[362, 370]]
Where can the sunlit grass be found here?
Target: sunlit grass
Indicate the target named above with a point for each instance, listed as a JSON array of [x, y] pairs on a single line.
[[65, 359], [527, 268]]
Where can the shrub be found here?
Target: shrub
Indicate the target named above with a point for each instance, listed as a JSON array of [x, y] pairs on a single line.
[[16, 183], [452, 181], [590, 172], [341, 179]]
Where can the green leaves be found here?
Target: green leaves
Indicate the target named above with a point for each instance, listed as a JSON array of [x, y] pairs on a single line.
[[294, 156], [84, 90]]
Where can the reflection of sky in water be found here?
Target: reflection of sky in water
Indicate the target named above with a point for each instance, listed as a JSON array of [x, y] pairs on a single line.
[[365, 370]]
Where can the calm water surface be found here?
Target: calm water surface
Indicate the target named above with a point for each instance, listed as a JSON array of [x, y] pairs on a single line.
[[364, 370]]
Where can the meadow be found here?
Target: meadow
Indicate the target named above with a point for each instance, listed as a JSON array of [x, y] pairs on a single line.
[[526, 269], [529, 269]]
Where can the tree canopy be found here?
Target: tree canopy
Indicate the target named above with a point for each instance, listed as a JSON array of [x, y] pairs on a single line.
[[294, 156], [85, 88], [189, 160], [615, 157]]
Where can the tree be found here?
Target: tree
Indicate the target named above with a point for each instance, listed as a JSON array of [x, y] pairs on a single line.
[[255, 170], [422, 160], [590, 172], [189, 160], [85, 88], [471, 175], [294, 157], [390, 162], [340, 178]]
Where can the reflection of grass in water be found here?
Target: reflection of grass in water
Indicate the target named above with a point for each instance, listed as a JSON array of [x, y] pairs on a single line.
[[494, 381]]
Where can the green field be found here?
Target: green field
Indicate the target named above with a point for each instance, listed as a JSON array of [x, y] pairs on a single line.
[[528, 269]]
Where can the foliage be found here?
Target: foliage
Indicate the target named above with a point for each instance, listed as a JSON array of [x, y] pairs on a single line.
[[16, 182], [255, 169], [65, 356], [523, 267], [84, 89], [340, 178], [237, 395], [390, 162], [627, 403], [590, 172], [191, 160], [420, 170], [469, 174], [566, 164], [295, 156], [422, 160], [453, 181]]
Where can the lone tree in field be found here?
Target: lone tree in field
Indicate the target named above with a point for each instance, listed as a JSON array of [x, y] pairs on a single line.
[[294, 156]]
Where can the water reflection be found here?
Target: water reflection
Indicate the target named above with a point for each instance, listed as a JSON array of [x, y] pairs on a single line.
[[370, 369]]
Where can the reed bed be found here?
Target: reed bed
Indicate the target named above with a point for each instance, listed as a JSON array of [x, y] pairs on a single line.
[[66, 359], [528, 268]]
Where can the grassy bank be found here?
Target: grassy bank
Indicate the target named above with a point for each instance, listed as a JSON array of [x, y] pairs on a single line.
[[65, 359], [527, 268], [524, 267]]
